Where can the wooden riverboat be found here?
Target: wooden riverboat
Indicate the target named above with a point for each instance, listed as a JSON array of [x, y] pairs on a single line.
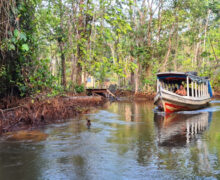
[[198, 91]]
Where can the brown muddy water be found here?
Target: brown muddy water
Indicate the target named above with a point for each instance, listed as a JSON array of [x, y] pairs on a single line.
[[127, 140]]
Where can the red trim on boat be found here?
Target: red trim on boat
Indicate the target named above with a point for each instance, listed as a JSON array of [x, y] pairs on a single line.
[[172, 107], [175, 78]]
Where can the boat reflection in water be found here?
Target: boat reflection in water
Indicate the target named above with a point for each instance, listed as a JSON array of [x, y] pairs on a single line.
[[177, 129]]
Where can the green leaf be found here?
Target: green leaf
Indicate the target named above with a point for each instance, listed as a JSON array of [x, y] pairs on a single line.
[[23, 36], [24, 47], [11, 47], [14, 40], [16, 33]]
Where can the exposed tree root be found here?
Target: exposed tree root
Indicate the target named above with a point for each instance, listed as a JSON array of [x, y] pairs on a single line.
[[36, 113]]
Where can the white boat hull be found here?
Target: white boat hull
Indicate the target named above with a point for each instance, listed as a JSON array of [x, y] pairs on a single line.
[[171, 102]]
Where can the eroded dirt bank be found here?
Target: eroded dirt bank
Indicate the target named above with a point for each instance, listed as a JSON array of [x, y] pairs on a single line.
[[29, 113], [216, 94]]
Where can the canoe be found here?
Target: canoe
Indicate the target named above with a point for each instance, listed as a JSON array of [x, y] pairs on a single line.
[[198, 90]]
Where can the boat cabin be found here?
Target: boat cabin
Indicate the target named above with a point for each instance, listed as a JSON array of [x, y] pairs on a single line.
[[195, 86]]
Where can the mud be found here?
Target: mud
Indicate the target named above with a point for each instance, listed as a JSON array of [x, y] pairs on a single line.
[[216, 94], [32, 113], [25, 135]]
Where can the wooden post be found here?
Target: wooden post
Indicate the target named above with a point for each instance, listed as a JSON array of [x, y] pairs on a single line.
[[207, 91], [200, 90], [192, 89], [187, 79], [158, 85], [200, 87], [203, 89], [196, 89]]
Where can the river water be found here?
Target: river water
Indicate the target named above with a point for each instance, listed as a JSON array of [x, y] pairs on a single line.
[[127, 140]]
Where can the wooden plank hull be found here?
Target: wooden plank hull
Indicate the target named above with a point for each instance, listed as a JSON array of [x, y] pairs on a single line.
[[171, 106], [171, 102]]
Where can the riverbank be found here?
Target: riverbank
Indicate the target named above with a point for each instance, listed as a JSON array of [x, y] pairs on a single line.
[[31, 113], [145, 96], [216, 94]]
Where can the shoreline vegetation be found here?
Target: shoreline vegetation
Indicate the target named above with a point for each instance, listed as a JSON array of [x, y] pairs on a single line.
[[31, 113]]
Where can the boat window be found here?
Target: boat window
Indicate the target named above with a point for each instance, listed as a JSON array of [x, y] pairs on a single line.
[[181, 90], [197, 86]]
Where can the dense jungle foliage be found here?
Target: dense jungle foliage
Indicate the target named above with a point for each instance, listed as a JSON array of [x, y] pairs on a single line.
[[54, 45]]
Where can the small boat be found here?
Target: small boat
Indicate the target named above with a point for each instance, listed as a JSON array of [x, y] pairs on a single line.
[[198, 91]]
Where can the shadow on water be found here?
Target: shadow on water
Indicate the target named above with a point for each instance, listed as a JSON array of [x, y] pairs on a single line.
[[178, 129]]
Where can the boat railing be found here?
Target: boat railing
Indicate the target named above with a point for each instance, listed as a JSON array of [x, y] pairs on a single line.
[[194, 88]]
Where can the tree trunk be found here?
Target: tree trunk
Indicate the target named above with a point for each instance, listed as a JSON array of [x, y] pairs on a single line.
[[63, 70], [204, 43], [176, 44], [61, 45], [149, 26], [197, 53], [85, 75], [159, 20], [169, 48], [79, 74], [73, 69], [136, 79], [148, 71], [132, 82]]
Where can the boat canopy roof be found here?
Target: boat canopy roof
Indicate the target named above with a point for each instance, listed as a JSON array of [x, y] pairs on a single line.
[[178, 77]]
